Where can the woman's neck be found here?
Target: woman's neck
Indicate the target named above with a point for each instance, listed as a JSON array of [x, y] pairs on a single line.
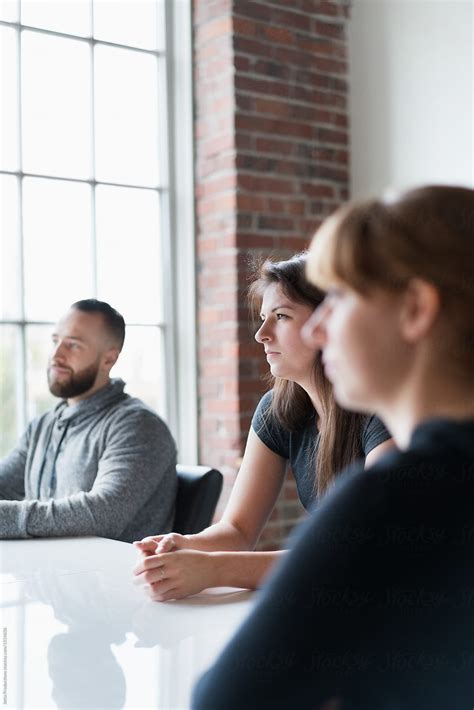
[[426, 401], [315, 399]]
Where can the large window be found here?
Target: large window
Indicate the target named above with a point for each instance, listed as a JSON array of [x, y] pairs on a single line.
[[86, 172]]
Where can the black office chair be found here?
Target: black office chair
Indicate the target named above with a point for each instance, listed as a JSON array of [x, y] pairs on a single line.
[[199, 488]]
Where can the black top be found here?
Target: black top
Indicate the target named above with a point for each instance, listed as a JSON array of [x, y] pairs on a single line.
[[300, 447], [375, 602]]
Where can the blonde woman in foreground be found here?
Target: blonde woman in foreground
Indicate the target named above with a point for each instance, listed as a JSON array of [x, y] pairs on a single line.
[[374, 606]]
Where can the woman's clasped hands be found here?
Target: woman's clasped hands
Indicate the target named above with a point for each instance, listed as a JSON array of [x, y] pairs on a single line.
[[169, 569]]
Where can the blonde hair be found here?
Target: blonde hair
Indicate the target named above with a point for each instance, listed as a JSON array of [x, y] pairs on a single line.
[[425, 233]]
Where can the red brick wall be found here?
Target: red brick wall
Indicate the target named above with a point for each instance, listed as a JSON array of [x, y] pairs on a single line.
[[271, 134]]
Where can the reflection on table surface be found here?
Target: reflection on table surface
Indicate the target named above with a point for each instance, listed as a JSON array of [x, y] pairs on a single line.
[[79, 633]]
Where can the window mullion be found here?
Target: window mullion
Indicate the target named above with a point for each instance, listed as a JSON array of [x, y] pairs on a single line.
[[93, 161], [21, 379], [180, 214]]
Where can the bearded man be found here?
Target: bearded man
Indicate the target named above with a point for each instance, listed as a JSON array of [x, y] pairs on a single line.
[[100, 462]]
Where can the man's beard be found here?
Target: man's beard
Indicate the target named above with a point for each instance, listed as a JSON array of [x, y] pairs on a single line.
[[78, 382]]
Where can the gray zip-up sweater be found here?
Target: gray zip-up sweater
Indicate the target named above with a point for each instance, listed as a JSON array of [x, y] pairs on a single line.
[[105, 467]]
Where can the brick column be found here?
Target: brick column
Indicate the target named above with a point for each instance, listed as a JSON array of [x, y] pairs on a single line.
[[271, 161]]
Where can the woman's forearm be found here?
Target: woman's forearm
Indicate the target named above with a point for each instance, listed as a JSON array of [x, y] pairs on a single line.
[[242, 569], [222, 537]]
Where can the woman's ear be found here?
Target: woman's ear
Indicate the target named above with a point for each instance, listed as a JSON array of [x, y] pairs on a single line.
[[420, 309]]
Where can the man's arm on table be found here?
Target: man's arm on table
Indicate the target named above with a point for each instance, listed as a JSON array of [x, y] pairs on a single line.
[[139, 451]]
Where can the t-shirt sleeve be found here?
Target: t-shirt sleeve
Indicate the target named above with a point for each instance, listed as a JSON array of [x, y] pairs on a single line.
[[374, 433], [268, 430]]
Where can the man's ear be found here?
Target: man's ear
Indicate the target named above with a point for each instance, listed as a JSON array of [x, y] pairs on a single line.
[[111, 357], [421, 306]]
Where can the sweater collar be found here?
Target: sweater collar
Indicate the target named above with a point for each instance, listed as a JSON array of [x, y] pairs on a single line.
[[457, 433], [103, 398]]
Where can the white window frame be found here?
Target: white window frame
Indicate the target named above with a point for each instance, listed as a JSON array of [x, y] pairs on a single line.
[[183, 410]]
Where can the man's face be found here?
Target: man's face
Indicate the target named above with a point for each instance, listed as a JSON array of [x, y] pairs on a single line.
[[79, 350]]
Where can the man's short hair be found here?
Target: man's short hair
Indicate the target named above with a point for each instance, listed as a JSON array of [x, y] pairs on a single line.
[[113, 320]]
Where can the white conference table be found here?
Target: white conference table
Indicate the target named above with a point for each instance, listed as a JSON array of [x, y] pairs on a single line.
[[78, 633]]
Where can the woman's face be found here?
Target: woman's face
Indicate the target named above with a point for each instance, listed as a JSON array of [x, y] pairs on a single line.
[[288, 355], [364, 355]]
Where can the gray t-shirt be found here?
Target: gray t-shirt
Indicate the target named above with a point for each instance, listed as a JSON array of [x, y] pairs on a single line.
[[300, 447]]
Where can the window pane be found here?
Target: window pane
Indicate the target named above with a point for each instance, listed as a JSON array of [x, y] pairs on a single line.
[[58, 252], [9, 248], [135, 23], [9, 372], [128, 252], [9, 122], [126, 116], [9, 10], [56, 108], [71, 17], [38, 347], [140, 365]]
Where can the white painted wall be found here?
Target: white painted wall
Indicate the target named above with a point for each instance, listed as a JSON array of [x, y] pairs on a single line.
[[412, 93]]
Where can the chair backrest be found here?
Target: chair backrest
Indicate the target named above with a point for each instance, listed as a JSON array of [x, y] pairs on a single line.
[[199, 488]]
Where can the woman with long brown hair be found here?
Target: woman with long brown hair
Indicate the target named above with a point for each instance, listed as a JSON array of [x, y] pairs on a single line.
[[297, 423]]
